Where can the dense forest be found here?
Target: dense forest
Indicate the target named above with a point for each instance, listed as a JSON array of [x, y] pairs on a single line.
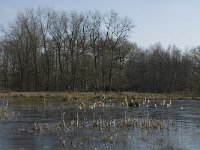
[[48, 50]]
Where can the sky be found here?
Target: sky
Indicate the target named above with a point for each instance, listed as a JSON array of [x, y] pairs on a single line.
[[166, 21]]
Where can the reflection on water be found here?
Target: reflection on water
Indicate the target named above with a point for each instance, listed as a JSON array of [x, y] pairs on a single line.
[[174, 127]]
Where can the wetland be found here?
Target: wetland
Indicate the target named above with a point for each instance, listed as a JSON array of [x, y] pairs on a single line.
[[101, 122]]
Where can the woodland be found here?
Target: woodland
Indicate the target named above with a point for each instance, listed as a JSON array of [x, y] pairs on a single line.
[[49, 50]]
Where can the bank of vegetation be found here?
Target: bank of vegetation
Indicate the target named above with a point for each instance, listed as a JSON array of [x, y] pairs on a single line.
[[48, 50]]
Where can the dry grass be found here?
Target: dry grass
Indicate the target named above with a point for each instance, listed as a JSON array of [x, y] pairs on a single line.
[[108, 95]]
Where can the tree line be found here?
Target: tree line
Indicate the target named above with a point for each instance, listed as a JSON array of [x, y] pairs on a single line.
[[48, 50]]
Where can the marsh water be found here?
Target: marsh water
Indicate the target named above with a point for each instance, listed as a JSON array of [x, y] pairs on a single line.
[[108, 126]]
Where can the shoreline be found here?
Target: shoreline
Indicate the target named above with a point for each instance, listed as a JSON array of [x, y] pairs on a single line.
[[98, 95]]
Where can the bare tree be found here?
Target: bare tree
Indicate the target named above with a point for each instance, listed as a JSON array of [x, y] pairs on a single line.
[[44, 22], [95, 37], [117, 29]]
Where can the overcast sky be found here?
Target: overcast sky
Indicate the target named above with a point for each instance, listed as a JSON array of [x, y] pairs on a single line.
[[165, 21]]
